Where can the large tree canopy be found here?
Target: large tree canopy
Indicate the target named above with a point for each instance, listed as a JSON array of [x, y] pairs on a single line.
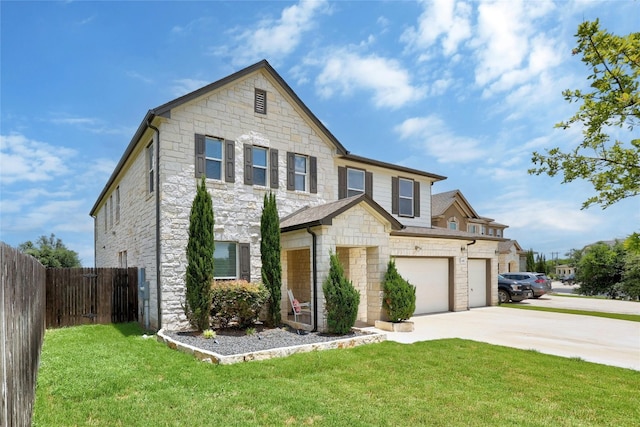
[[610, 111], [51, 252]]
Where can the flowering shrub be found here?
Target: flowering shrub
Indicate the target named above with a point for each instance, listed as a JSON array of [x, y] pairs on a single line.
[[237, 300]]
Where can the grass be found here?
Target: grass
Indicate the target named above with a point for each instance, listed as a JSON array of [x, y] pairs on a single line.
[[619, 316], [109, 375]]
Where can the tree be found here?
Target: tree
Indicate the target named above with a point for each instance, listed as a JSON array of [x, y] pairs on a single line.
[[51, 252], [531, 264], [613, 168], [200, 248], [541, 264], [270, 255], [341, 299], [600, 269]]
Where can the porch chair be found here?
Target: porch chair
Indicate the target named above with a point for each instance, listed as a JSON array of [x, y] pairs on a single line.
[[298, 307]]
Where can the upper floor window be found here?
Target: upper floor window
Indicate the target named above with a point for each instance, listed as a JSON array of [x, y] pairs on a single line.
[[355, 182], [473, 228], [260, 101], [491, 232], [452, 223], [498, 232], [111, 211], [260, 166], [117, 204], [406, 197], [215, 158], [302, 173], [150, 167]]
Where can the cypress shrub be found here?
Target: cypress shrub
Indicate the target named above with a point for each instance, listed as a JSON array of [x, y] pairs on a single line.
[[399, 299], [200, 249], [270, 256], [341, 299]]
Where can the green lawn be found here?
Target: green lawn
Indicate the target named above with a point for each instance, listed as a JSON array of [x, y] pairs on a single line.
[[111, 376], [619, 316]]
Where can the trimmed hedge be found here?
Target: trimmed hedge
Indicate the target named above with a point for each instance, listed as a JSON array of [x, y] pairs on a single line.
[[341, 299], [399, 295], [237, 300]]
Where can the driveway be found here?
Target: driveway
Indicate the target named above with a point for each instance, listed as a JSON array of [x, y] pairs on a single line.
[[594, 339]]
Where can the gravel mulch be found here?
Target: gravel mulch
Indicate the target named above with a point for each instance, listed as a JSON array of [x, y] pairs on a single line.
[[229, 342]]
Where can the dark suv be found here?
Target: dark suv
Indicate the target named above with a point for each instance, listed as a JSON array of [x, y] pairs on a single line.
[[540, 285], [512, 290]]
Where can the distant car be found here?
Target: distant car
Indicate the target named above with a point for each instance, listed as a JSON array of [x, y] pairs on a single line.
[[540, 284], [569, 279], [512, 290]]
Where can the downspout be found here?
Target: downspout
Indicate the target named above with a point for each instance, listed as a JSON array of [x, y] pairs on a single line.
[[314, 240], [468, 291], [157, 185]]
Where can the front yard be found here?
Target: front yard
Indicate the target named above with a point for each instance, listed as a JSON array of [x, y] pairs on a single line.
[[112, 376]]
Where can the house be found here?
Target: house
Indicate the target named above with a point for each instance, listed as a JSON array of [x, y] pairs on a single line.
[[250, 134]]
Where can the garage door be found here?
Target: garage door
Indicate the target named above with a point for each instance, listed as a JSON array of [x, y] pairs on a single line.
[[430, 276], [477, 283]]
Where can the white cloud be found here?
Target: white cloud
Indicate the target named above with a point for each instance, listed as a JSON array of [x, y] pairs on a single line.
[[447, 21], [346, 72], [431, 135], [25, 159], [183, 86], [275, 38]]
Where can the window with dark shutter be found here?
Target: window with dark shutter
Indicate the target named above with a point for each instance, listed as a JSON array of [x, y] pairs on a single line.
[[248, 164], [368, 184], [394, 195], [313, 175], [416, 199], [291, 171], [260, 101], [342, 182]]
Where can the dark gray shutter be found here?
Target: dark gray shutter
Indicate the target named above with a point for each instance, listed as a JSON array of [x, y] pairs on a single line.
[[368, 184], [273, 166], [416, 199], [248, 164], [229, 161], [313, 174], [291, 171], [342, 182], [395, 194], [200, 155], [245, 261]]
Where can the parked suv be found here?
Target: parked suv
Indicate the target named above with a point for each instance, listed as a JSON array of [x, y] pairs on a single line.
[[512, 290], [540, 284]]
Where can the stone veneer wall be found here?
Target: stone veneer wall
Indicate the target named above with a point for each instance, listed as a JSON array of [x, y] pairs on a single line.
[[228, 113]]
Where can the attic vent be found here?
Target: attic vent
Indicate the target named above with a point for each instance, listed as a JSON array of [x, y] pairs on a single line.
[[261, 101]]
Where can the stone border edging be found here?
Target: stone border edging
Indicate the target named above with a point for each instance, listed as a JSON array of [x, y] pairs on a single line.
[[210, 357]]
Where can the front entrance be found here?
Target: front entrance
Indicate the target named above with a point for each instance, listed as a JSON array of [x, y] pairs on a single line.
[[478, 283]]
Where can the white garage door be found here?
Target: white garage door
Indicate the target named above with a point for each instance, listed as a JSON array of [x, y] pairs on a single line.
[[430, 276], [477, 283]]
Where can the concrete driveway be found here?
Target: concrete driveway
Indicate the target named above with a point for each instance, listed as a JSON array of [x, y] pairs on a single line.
[[594, 339]]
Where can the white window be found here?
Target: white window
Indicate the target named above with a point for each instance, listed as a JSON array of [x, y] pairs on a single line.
[[473, 228], [355, 182], [499, 233], [300, 172], [111, 211], [260, 155], [406, 197], [452, 223], [150, 167], [225, 260], [213, 158]]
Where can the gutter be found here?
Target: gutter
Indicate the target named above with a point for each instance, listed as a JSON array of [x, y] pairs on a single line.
[[157, 185], [314, 239]]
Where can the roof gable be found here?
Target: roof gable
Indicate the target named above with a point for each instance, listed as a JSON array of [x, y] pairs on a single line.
[[324, 214], [442, 201]]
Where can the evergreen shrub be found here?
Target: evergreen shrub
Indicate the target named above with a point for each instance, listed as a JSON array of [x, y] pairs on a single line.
[[341, 299], [399, 300]]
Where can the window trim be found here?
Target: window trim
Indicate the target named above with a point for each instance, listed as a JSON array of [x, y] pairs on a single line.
[[297, 173], [364, 182], [401, 197], [264, 168], [118, 204], [220, 160], [151, 163], [453, 220]]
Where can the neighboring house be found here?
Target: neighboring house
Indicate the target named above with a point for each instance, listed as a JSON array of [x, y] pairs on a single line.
[[511, 257], [250, 134], [452, 210], [564, 270]]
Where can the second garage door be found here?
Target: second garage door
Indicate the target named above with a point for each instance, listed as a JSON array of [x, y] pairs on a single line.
[[430, 276]]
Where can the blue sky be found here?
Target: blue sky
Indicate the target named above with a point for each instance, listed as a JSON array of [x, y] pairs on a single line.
[[467, 90]]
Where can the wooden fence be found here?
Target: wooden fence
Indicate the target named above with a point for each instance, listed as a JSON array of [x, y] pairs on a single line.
[[22, 301], [79, 296]]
